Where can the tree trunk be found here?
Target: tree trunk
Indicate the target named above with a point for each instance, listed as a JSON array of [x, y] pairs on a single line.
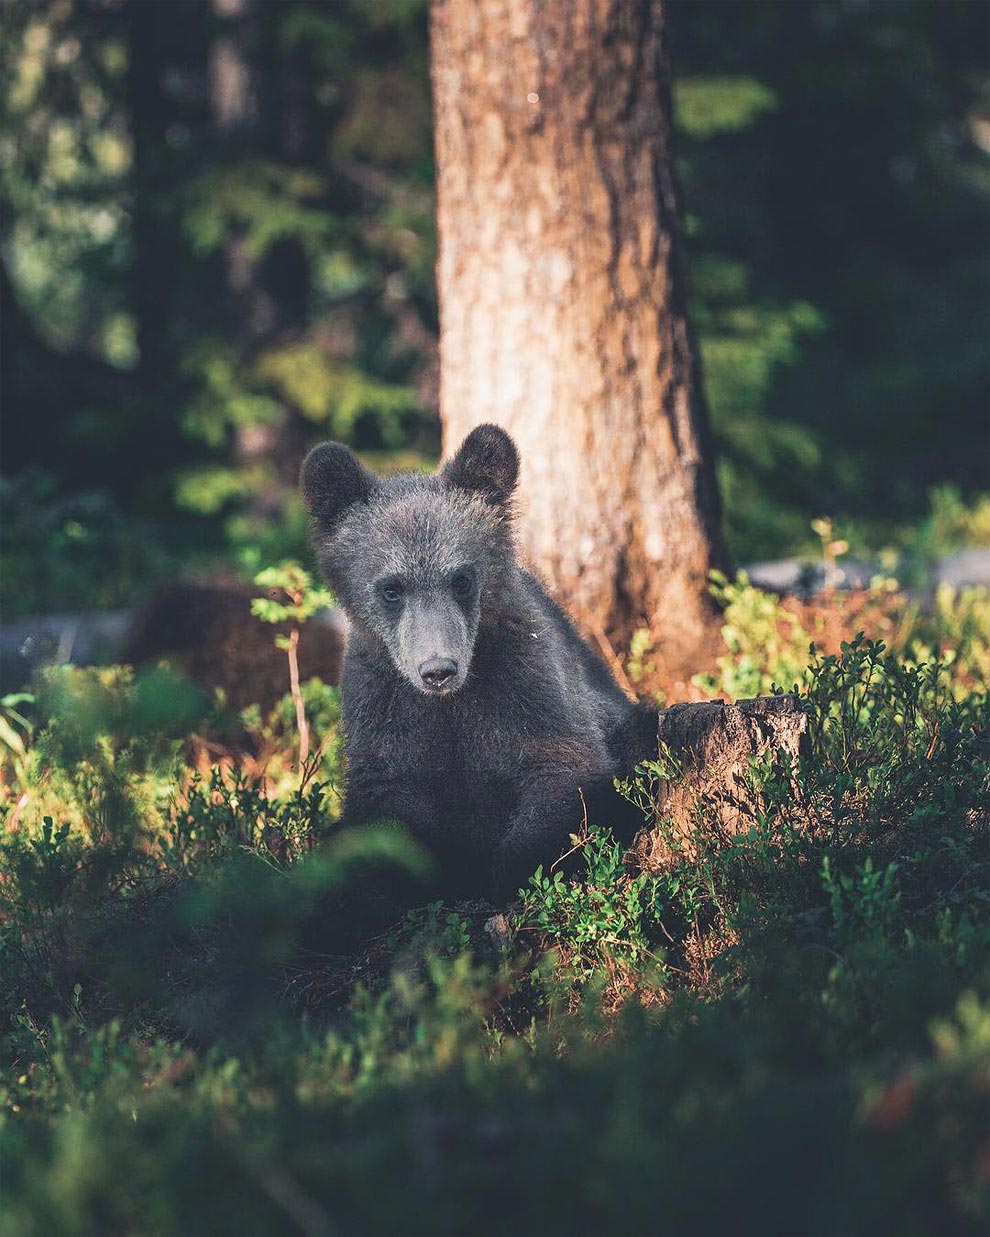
[[236, 116], [34, 381], [251, 311], [259, 113], [562, 302], [155, 240]]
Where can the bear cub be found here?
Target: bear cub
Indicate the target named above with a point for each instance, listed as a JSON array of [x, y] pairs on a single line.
[[474, 715]]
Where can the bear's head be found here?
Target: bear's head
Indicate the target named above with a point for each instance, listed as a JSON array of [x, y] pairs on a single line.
[[419, 563]]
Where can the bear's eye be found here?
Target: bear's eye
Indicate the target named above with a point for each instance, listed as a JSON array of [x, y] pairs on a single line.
[[462, 584], [391, 591]]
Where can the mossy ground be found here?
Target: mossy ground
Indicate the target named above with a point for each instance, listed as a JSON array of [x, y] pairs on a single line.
[[217, 1017]]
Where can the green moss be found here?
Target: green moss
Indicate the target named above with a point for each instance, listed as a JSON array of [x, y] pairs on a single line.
[[804, 1004]]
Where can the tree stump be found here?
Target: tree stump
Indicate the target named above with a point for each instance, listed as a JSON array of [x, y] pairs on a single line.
[[715, 743]]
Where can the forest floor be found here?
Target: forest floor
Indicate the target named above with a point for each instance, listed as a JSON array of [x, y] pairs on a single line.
[[214, 1018]]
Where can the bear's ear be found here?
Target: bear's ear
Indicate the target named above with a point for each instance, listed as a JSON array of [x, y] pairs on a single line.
[[333, 479], [487, 463]]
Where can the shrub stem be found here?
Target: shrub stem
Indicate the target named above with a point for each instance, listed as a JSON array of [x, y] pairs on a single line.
[[301, 723]]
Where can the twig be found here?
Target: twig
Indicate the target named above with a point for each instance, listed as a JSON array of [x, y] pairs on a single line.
[[302, 725], [304, 1212], [583, 841], [13, 820], [610, 655]]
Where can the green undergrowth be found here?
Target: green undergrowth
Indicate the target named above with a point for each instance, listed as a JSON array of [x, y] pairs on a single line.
[[218, 1016]]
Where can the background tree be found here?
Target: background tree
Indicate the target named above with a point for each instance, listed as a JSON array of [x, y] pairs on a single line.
[[833, 160], [844, 358], [563, 301]]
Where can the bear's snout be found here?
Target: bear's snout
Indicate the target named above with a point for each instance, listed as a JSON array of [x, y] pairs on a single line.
[[437, 673]]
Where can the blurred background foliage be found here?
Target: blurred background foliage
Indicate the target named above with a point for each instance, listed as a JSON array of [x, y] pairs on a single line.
[[218, 247]]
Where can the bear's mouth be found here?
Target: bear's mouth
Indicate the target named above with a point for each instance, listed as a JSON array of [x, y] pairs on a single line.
[[445, 689]]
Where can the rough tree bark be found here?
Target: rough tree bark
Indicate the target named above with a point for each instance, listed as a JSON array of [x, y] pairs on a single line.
[[562, 301], [259, 112], [155, 237], [715, 744], [236, 117]]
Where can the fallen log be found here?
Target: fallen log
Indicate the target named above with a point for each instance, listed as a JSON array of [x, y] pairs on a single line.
[[205, 628]]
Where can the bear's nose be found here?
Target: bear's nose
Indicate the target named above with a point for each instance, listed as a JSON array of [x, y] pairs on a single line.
[[437, 671]]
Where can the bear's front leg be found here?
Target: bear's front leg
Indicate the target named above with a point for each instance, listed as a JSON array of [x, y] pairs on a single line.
[[372, 797], [379, 889], [550, 810]]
